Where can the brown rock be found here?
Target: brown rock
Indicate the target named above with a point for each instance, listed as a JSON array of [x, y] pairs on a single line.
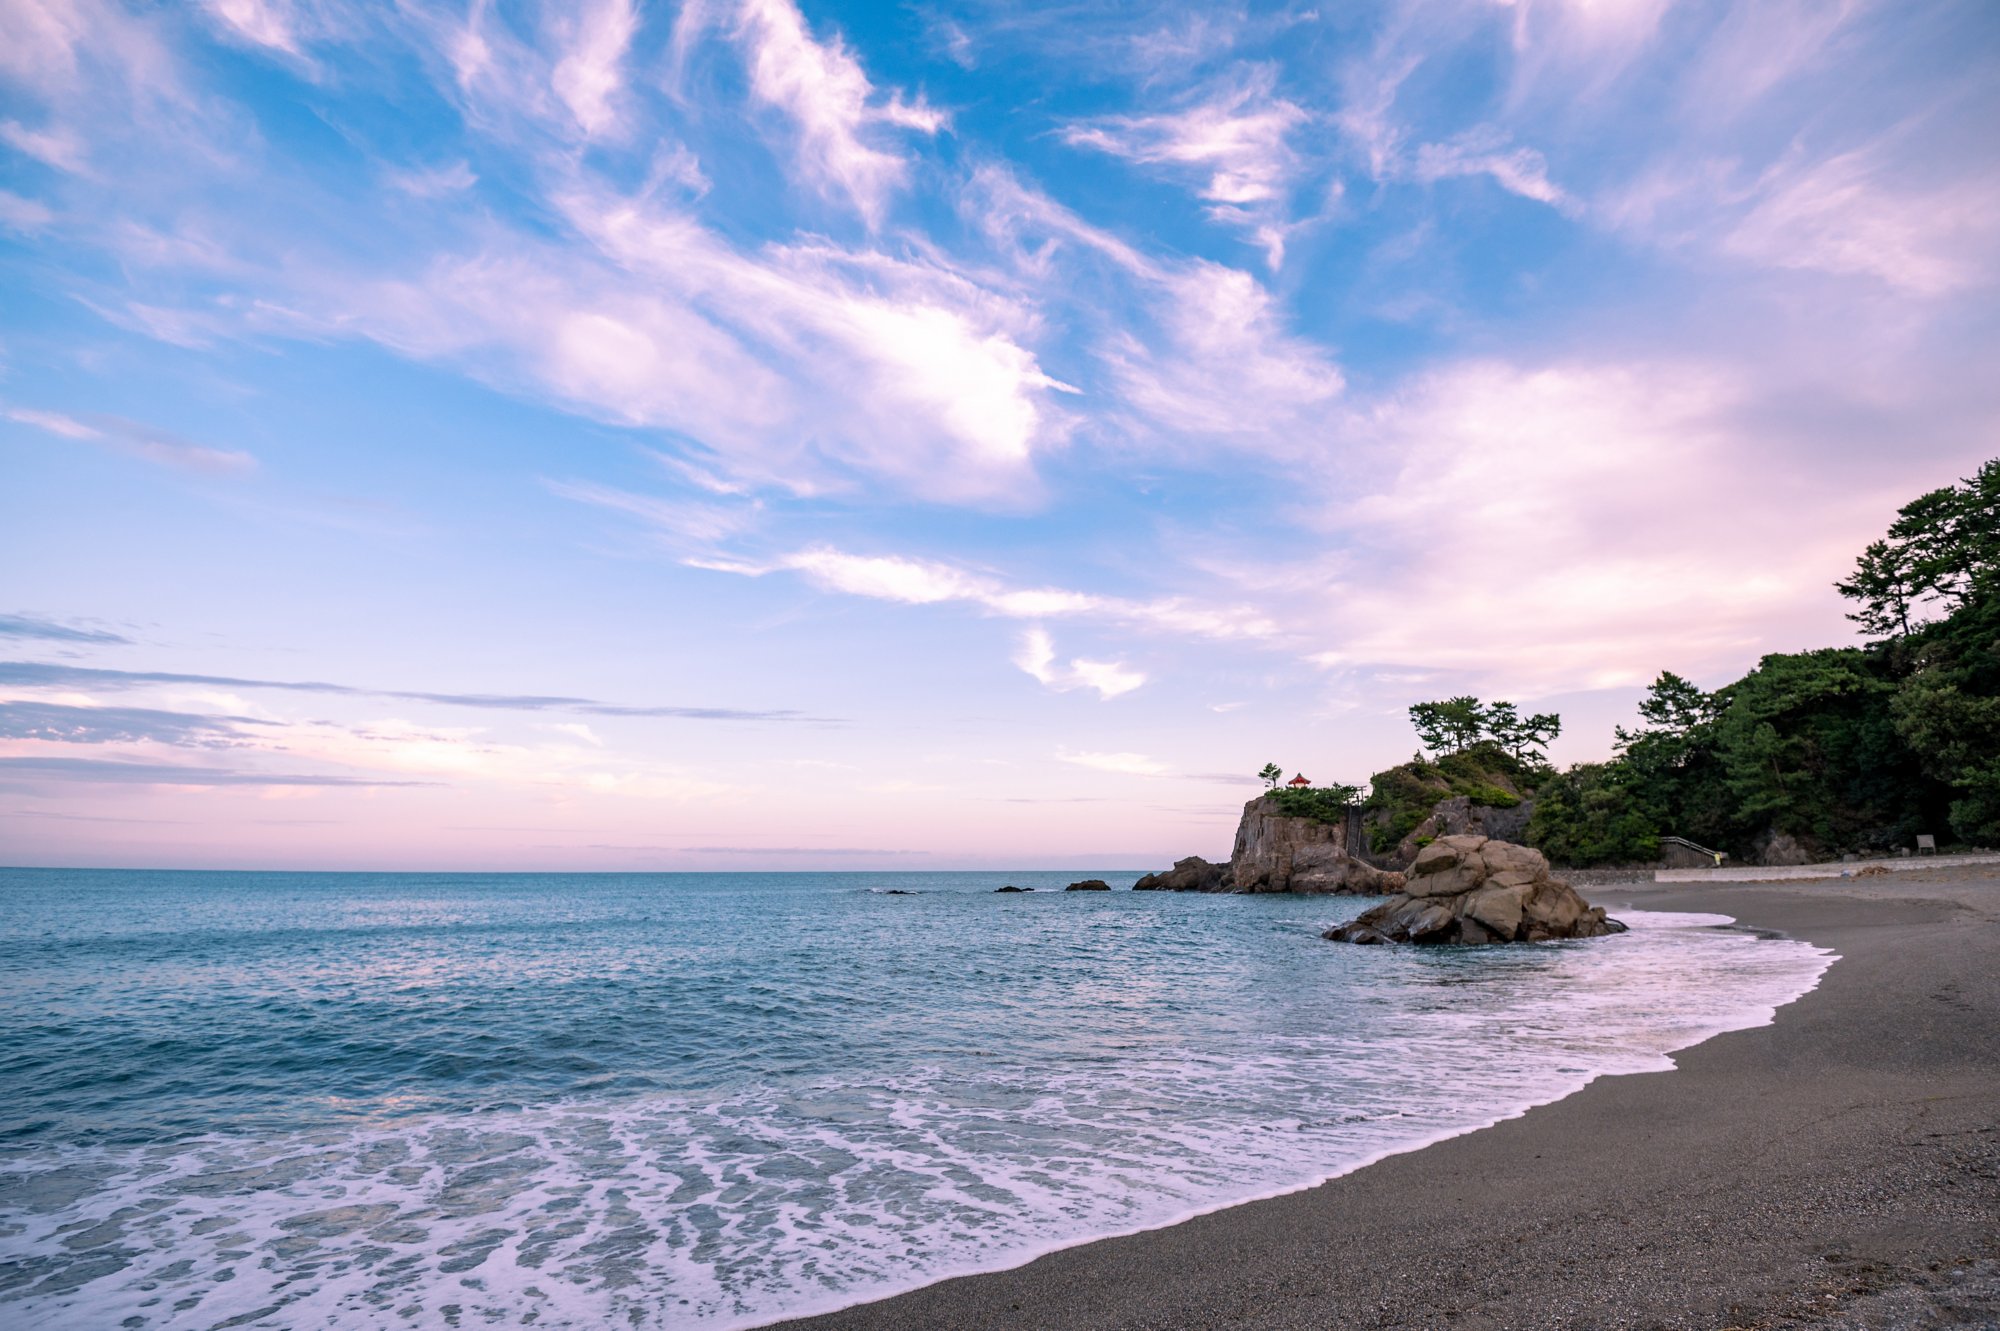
[[1193, 874], [1470, 889]]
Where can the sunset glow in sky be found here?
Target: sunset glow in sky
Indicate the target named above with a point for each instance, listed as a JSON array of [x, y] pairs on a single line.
[[750, 434]]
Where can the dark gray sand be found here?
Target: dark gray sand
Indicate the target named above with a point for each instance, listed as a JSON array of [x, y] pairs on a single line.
[[1838, 1169]]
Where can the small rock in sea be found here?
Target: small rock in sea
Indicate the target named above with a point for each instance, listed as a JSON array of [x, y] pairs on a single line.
[[895, 891], [1089, 885], [1193, 874], [1469, 889], [1011, 888]]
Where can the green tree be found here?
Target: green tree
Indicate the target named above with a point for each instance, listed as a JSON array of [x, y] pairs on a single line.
[[1956, 737], [1269, 776], [1807, 744], [1451, 726], [1941, 552], [1592, 815], [1525, 737]]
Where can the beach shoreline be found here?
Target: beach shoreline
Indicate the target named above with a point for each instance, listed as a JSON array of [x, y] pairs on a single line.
[[1837, 1167]]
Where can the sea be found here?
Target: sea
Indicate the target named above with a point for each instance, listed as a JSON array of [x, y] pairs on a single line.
[[696, 1100]]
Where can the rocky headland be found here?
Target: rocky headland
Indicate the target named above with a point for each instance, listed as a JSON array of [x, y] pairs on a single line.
[[1474, 889], [1278, 852]]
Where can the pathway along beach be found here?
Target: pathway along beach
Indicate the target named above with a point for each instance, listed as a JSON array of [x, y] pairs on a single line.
[[1839, 1168]]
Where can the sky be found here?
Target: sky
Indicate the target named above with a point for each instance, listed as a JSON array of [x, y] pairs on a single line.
[[748, 434]]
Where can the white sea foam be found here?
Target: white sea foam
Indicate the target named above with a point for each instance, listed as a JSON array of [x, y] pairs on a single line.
[[776, 1200]]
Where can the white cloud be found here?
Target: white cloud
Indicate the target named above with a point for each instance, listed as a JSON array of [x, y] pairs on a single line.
[[1222, 367], [1563, 527], [54, 422], [925, 582], [1236, 140], [1036, 655], [826, 94], [19, 214], [1486, 151], [1125, 764], [1844, 215], [263, 22], [590, 75], [53, 146], [137, 440]]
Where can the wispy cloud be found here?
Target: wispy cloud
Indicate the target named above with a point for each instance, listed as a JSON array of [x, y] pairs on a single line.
[[1848, 215], [137, 440], [1234, 138], [23, 214], [112, 771], [36, 674], [1036, 655], [821, 87], [1125, 764], [589, 76], [268, 23], [1486, 151], [63, 724], [34, 626], [930, 582]]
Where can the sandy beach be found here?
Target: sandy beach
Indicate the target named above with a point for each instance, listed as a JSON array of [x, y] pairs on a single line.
[[1839, 1168]]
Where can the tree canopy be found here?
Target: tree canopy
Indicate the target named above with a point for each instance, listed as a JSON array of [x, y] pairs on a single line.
[[1457, 724]]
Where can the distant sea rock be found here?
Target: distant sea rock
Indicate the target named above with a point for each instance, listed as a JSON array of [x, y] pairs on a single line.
[[1193, 874], [1473, 889], [1011, 888], [1089, 885]]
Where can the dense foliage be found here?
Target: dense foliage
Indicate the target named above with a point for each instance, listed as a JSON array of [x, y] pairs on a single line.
[[1592, 814], [1325, 804], [1404, 796], [1845, 748]]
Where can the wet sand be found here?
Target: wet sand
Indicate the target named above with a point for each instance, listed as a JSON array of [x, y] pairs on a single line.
[[1839, 1168]]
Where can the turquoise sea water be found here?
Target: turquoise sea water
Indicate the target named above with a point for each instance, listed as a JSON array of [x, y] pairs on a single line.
[[712, 1100]]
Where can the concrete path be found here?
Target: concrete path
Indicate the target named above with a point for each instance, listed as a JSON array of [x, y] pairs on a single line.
[[1756, 873]]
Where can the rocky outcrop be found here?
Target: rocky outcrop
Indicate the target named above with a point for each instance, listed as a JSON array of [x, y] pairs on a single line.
[[1089, 885], [1473, 889], [1193, 874], [1276, 853], [1011, 888], [1459, 816], [1775, 847]]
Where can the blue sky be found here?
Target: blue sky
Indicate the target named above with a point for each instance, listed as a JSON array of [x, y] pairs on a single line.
[[749, 434]]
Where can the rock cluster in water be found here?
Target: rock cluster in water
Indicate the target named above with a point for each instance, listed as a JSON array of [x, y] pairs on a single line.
[[1473, 889], [1089, 885]]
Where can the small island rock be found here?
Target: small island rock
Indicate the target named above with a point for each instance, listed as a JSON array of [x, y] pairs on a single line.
[[1193, 874], [1473, 889], [1011, 888], [1089, 885]]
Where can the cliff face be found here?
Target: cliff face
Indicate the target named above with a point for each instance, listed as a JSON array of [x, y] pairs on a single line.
[[1276, 853]]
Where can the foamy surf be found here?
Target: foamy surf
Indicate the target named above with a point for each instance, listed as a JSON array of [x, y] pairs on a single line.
[[783, 1196]]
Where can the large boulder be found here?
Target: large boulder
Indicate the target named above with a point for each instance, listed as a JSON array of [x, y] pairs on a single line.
[[1089, 885], [1193, 874], [1473, 889]]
